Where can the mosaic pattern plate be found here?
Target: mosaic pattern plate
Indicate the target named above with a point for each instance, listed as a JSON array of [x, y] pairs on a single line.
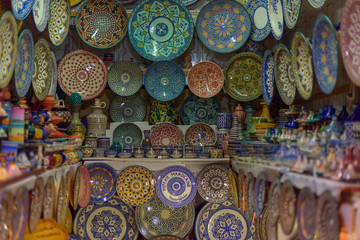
[[195, 109], [43, 70], [306, 214], [24, 63], [164, 80], [260, 191], [213, 183], [317, 3], [6, 214], [200, 134], [112, 219], [273, 201], [249, 197], [49, 198], [327, 218], [205, 79], [101, 23], [267, 78], [125, 78], [160, 30], [276, 18], [128, 134], [128, 109], [176, 186], [284, 74], [291, 9], [135, 185], [8, 47], [59, 21], [85, 186], [83, 72], [41, 12], [163, 134], [36, 207], [103, 182], [243, 77], [260, 27], [287, 207], [223, 25], [21, 8], [326, 54], [21, 213], [155, 218], [53, 86]]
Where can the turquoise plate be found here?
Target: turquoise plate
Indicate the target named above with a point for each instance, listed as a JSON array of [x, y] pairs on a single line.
[[128, 134], [260, 28], [128, 109], [267, 78]]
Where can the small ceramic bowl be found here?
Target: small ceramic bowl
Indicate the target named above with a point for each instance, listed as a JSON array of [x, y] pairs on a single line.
[[203, 155], [190, 155], [138, 155], [111, 153], [124, 155], [149, 155], [176, 155]]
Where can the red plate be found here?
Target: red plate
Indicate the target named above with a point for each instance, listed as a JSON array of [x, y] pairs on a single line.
[[85, 186], [166, 134]]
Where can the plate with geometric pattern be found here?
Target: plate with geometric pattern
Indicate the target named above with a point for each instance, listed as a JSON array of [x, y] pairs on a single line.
[[103, 182], [59, 21], [292, 10], [267, 78], [128, 109], [128, 134], [260, 28], [163, 134], [200, 134], [21, 8]]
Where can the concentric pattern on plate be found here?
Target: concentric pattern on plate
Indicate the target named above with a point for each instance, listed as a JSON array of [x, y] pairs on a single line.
[[243, 77], [36, 207], [200, 134], [103, 182], [128, 109], [249, 197], [101, 23], [83, 72], [287, 207], [327, 219], [291, 10], [6, 214], [306, 214], [276, 18], [21, 8], [223, 25], [160, 30], [59, 21], [128, 134], [260, 191], [41, 12], [49, 198], [21, 212], [267, 79], [260, 27], [166, 134]]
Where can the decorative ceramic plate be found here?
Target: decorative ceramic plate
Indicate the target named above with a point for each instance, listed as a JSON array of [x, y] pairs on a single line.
[[249, 197], [8, 47], [213, 183], [251, 235], [60, 205], [128, 134], [125, 78], [135, 185], [112, 219], [163, 134], [41, 12], [223, 25], [36, 206], [59, 21], [75, 2], [166, 238], [306, 214], [302, 65], [24, 63], [291, 9], [233, 188], [103, 182], [263, 221], [176, 186], [155, 218], [49, 198], [253, 47], [6, 214], [325, 54], [43, 70], [126, 2], [68, 225], [73, 237], [287, 207], [75, 188], [53, 86], [83, 72], [327, 218], [243, 77], [260, 191], [267, 78], [317, 3], [260, 27], [240, 187], [164, 80], [221, 221], [205, 79], [200, 134], [21, 8], [273, 201], [128, 109], [276, 18], [21, 213], [160, 30], [284, 74], [85, 186], [195, 109]]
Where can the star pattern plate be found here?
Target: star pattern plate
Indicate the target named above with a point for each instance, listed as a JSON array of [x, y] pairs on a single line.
[[260, 27], [41, 12], [291, 10], [127, 134], [127, 109], [103, 182], [21, 8], [200, 134], [163, 134], [59, 21], [267, 79], [276, 18]]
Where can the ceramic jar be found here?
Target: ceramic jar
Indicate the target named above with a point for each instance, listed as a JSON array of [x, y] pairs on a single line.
[[162, 112], [91, 140], [116, 146], [97, 120], [249, 113], [103, 142], [75, 103], [223, 121], [61, 111], [240, 114]]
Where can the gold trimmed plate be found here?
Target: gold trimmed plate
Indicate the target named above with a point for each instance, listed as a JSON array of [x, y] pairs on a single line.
[[36, 206], [287, 207]]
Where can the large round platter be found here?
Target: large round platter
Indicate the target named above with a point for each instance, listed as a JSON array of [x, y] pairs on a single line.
[[163, 134], [43, 70], [41, 12], [276, 18], [36, 206], [284, 74], [21, 8], [128, 134], [24, 63], [200, 134], [327, 219], [223, 25], [195, 109], [176, 186], [53, 86], [273, 201], [101, 23], [221, 221], [243, 77], [83, 72], [160, 30], [233, 188], [260, 191], [21, 213], [317, 3], [213, 183], [164, 80], [85, 186], [128, 109], [249, 197], [260, 27], [125, 78], [205, 79], [6, 214], [267, 78], [59, 21], [8, 47], [49, 198], [112, 219], [287, 207], [306, 214], [326, 53], [291, 9], [155, 218], [302, 65], [135, 185], [103, 182]]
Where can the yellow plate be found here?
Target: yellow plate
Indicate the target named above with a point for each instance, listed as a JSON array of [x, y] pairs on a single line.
[[74, 2]]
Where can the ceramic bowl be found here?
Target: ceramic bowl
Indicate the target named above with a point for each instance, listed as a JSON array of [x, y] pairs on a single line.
[[124, 155], [149, 155], [111, 153], [176, 155], [137, 155]]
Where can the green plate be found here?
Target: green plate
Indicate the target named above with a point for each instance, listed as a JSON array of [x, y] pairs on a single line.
[[128, 134], [128, 109]]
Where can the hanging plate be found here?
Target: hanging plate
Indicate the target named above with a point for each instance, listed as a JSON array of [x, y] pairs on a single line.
[[41, 12], [163, 134], [59, 21], [200, 134], [260, 27], [287, 207], [317, 3], [240, 188], [327, 218], [274, 197], [127, 134], [21, 213], [260, 191], [291, 10], [267, 78], [276, 18], [36, 206], [233, 188], [6, 214], [21, 8], [49, 198], [85, 186], [249, 197], [306, 214], [53, 86], [103, 182], [127, 109]]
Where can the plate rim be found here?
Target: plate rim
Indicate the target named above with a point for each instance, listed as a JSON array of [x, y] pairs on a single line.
[[266, 26], [267, 55], [21, 17], [271, 26]]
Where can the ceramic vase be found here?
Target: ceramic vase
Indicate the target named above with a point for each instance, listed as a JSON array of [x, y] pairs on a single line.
[[75, 103], [97, 120], [223, 120], [240, 114]]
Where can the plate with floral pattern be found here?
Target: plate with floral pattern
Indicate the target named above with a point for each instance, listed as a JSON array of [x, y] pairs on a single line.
[[243, 77], [267, 78], [49, 198], [287, 207], [36, 207], [127, 109], [291, 10], [260, 191], [223, 25], [6, 214], [276, 18], [59, 21], [200, 134], [306, 214], [163, 134], [41, 12], [21, 213], [260, 27], [127, 134], [103, 182], [21, 8]]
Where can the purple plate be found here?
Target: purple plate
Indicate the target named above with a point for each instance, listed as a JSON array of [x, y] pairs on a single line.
[[103, 182]]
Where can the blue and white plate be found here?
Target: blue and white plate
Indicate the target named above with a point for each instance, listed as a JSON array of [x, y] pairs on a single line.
[[41, 10], [260, 27], [260, 191], [21, 8], [292, 10], [267, 78], [276, 18], [176, 186], [53, 86]]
